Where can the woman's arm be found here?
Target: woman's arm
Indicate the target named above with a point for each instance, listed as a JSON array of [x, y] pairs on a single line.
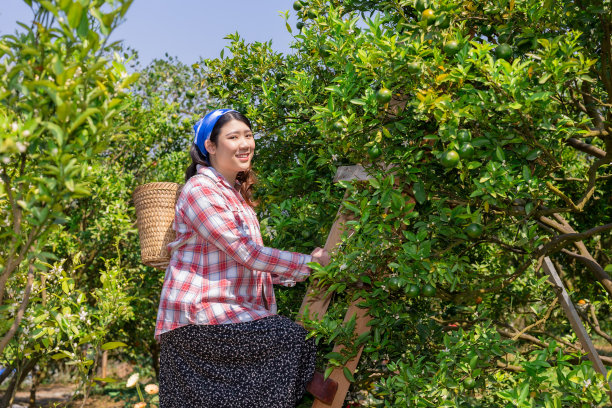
[[205, 210]]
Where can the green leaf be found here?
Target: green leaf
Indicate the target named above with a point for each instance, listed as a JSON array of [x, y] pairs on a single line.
[[533, 155], [69, 185], [47, 5], [328, 372], [351, 207], [64, 4], [544, 78], [113, 345], [334, 355], [57, 132], [82, 117], [83, 29], [419, 192], [473, 361], [499, 153], [74, 14], [348, 374], [526, 173], [60, 355], [105, 379], [524, 393]]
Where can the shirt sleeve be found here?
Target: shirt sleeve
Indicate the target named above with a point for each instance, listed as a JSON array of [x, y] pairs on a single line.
[[205, 210], [279, 280]]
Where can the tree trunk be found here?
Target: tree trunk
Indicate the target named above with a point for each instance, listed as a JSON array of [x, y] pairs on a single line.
[[154, 348], [32, 400], [18, 377], [6, 373]]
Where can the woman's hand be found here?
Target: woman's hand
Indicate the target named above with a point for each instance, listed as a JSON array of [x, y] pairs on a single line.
[[320, 256]]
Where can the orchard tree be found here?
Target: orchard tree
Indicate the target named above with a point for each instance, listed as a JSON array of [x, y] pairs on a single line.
[[61, 93], [486, 128]]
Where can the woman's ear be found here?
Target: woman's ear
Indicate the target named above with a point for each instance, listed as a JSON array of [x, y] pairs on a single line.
[[210, 146]]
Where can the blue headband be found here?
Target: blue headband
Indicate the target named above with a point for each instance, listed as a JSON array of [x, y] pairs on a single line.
[[203, 128]]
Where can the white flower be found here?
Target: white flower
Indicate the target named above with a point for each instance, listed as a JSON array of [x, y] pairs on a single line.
[[132, 380], [14, 126], [587, 382], [334, 157], [21, 147], [151, 389], [26, 133], [405, 143], [343, 267]]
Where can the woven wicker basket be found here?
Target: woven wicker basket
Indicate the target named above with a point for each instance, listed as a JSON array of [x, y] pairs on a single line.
[[155, 204]]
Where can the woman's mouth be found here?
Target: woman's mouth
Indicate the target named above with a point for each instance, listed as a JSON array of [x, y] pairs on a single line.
[[244, 157]]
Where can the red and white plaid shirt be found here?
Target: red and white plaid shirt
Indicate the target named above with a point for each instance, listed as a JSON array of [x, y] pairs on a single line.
[[219, 270]]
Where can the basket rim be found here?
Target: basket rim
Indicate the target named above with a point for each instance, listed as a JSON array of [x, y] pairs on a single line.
[[170, 185]]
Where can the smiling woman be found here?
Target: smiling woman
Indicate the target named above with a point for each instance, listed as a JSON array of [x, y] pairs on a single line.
[[225, 142], [222, 343]]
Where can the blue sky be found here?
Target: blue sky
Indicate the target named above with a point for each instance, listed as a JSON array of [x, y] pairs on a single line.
[[186, 29]]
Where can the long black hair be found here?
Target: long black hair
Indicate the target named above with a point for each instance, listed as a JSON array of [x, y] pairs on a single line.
[[246, 178]]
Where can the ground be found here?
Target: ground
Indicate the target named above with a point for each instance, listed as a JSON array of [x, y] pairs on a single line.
[[58, 395]]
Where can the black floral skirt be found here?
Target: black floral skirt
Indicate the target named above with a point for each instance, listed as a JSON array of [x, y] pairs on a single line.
[[263, 363]]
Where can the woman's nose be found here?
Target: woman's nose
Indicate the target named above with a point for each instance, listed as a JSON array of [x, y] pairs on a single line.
[[244, 143]]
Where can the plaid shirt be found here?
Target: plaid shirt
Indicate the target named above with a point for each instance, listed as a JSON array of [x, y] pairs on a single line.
[[219, 270]]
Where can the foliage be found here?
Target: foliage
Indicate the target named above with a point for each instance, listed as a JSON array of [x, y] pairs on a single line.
[[61, 92], [485, 128], [468, 224]]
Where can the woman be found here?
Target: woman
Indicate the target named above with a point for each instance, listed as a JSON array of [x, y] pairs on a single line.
[[222, 343]]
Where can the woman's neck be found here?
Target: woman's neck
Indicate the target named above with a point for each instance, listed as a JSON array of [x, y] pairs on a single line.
[[229, 177]]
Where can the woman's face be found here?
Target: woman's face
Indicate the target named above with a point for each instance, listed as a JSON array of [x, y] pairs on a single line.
[[234, 149]]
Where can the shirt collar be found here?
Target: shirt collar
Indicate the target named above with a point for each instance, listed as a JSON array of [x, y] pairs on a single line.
[[213, 174]]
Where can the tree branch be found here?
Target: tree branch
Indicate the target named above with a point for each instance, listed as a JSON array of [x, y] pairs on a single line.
[[557, 242], [594, 323], [24, 303], [606, 55], [593, 179], [564, 227], [591, 105], [539, 322], [460, 296], [527, 337], [585, 147], [562, 195], [14, 260], [510, 248], [506, 366]]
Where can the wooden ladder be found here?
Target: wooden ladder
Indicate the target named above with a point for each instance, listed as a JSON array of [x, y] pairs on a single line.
[[316, 302]]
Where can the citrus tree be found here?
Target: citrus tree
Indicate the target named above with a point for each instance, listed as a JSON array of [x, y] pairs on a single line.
[[486, 129], [61, 94]]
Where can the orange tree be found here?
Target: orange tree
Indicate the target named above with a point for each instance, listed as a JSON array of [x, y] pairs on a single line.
[[495, 117], [62, 91]]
